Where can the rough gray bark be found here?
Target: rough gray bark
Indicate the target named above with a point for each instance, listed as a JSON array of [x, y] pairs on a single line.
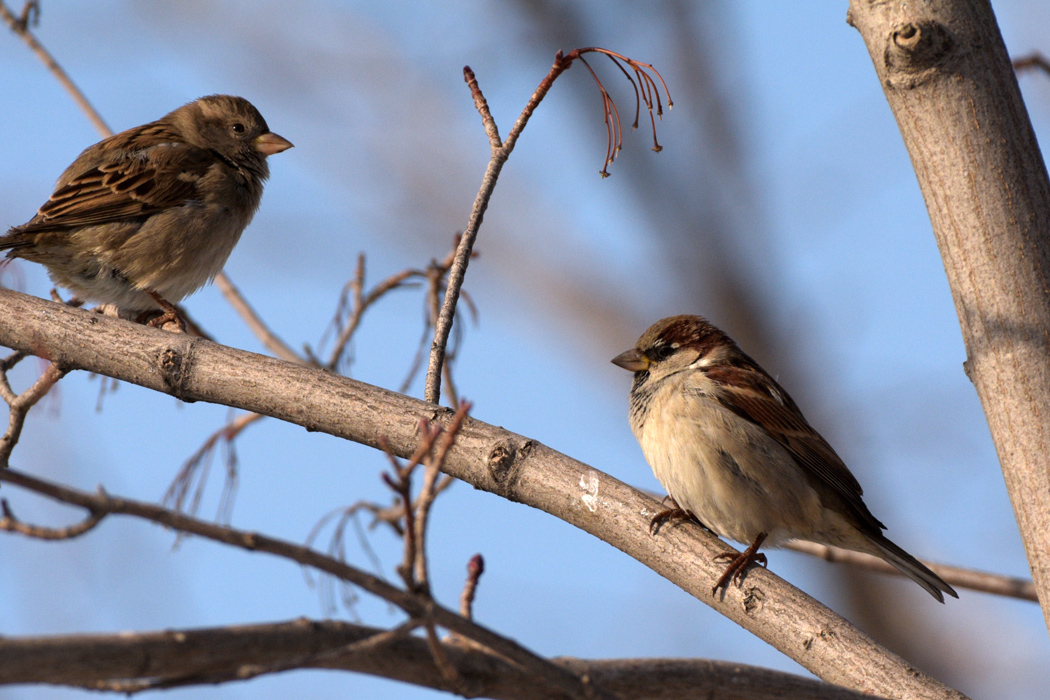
[[948, 79], [485, 456]]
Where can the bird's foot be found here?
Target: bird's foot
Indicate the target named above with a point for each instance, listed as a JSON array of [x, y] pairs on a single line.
[[740, 562], [171, 315], [675, 512], [74, 301]]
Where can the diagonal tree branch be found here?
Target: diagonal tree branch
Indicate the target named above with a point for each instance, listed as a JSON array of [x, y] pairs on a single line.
[[489, 458], [20, 26]]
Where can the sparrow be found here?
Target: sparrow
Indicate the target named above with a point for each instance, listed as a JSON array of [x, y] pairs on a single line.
[[146, 217], [735, 452]]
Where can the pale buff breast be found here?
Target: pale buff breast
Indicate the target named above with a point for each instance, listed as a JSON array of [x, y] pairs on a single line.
[[727, 471]]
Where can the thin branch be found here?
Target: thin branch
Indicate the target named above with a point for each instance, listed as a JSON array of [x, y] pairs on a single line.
[[9, 523], [457, 273], [197, 467], [337, 550], [400, 482], [1033, 60], [22, 403], [475, 568], [434, 463], [353, 303], [958, 577], [20, 26], [500, 152], [102, 504], [360, 304], [441, 660], [255, 323], [436, 273]]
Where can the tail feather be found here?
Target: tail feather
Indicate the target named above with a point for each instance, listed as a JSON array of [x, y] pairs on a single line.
[[912, 568], [14, 239]]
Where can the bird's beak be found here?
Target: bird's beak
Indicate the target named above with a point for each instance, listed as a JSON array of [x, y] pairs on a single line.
[[633, 360], [268, 144]]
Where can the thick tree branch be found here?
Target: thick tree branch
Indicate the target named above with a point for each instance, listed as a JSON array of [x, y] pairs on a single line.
[[949, 82], [485, 456], [152, 659]]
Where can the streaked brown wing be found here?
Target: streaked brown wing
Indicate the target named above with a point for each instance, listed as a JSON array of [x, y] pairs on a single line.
[[148, 174], [758, 398]]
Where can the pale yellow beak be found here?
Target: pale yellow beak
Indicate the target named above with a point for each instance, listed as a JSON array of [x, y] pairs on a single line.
[[633, 360], [269, 143]]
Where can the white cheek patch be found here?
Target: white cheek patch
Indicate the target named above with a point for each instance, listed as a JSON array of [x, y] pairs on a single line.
[[710, 358], [702, 362]]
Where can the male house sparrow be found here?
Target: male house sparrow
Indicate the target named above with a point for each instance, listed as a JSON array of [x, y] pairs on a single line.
[[147, 216], [734, 451]]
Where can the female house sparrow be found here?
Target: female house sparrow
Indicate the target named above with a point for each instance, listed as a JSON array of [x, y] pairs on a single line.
[[734, 451], [146, 217]]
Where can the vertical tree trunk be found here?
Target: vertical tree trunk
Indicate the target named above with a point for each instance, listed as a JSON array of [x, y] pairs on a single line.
[[948, 79]]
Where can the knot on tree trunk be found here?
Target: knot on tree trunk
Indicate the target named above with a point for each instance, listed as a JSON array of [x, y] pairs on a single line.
[[915, 52]]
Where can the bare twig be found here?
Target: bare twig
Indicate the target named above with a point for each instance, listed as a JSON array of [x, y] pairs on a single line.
[[352, 305], [475, 568], [20, 26], [392, 515], [10, 523], [399, 479], [436, 273], [21, 403], [645, 91], [268, 338], [337, 547], [434, 462], [197, 467], [975, 580], [360, 302], [417, 607], [1034, 60], [437, 651]]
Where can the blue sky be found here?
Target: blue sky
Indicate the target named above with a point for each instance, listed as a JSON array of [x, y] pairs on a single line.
[[780, 140]]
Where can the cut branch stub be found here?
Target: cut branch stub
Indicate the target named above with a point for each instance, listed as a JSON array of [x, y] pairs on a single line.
[[915, 51]]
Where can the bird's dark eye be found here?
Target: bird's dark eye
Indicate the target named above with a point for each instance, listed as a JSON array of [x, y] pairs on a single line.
[[661, 352], [238, 128]]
